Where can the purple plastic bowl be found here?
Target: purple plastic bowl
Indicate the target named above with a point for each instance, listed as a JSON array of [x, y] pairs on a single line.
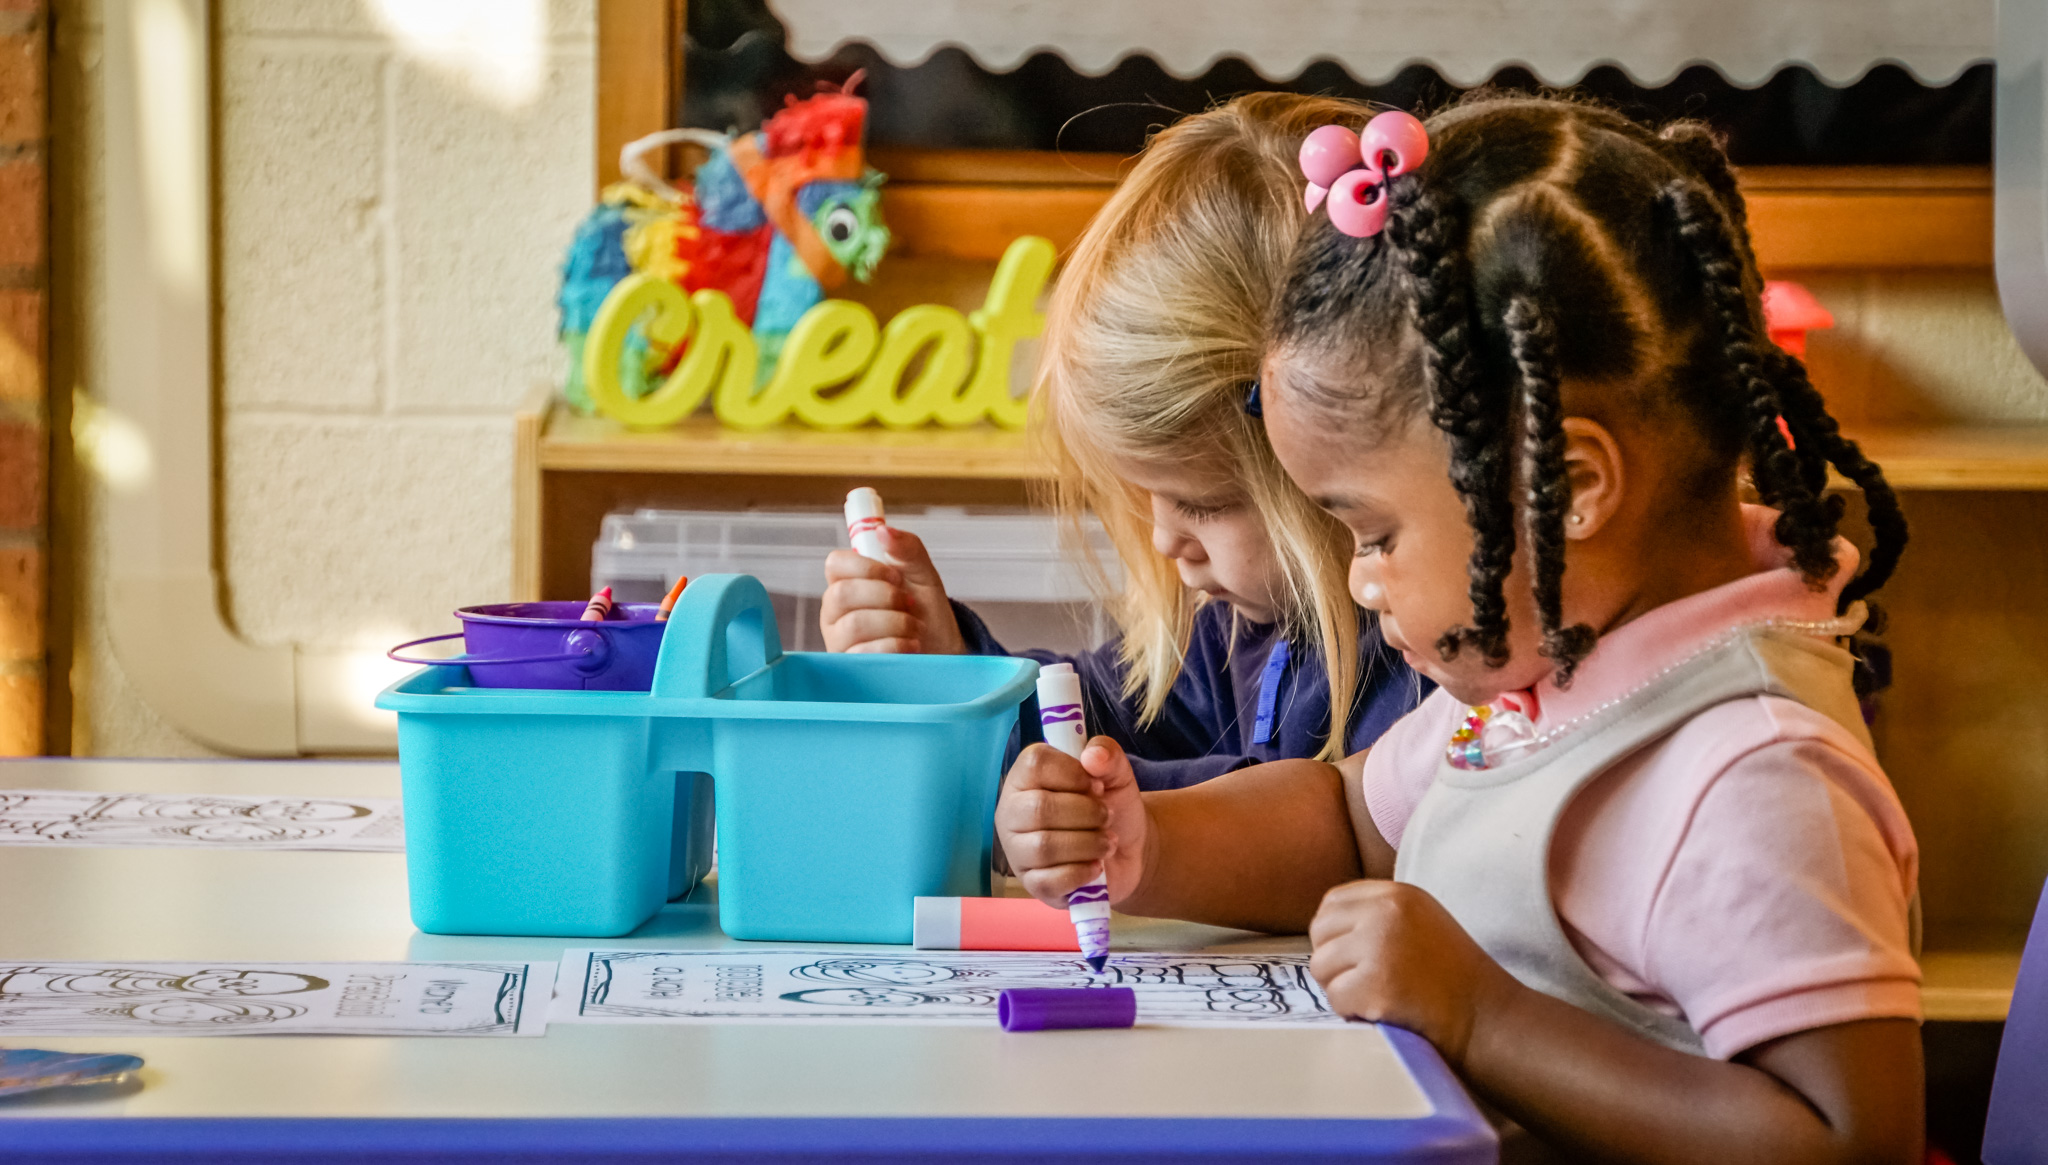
[[547, 645]]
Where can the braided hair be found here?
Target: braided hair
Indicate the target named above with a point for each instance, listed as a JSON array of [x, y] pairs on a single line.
[[1547, 241]]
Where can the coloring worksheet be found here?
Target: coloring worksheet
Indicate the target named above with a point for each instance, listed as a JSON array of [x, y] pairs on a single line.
[[942, 987], [287, 999], [212, 821]]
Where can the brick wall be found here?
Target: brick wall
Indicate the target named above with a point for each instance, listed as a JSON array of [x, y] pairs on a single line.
[[24, 436]]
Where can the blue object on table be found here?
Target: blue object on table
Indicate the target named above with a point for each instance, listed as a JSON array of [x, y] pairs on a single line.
[[2016, 1129], [34, 1070], [845, 785]]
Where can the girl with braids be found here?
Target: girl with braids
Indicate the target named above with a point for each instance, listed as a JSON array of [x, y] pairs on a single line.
[[1634, 868], [1239, 644]]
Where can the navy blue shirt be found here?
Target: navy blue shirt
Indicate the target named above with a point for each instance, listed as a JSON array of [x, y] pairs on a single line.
[[1260, 698]]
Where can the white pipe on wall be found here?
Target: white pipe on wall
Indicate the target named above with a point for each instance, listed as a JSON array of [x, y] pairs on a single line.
[[163, 592]]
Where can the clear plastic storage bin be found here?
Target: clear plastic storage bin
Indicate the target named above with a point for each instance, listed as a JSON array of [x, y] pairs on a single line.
[[1008, 564]]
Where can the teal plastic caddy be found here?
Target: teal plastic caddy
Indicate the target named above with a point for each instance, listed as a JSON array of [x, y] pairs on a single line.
[[845, 785]]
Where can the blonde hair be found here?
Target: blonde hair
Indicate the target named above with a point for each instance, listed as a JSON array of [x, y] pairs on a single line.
[[1155, 332]]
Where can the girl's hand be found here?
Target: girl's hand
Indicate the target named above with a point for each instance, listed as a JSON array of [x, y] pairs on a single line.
[[1390, 953], [874, 606], [1061, 819], [1591, 1089]]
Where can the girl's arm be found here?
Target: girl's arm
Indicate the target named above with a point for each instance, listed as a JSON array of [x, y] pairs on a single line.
[[1848, 1093], [1256, 848]]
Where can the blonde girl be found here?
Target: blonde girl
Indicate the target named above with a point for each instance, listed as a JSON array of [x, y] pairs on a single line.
[[1238, 641]]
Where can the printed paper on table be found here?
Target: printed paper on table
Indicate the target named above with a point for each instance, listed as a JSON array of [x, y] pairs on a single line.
[[207, 821], [780, 985], [146, 999]]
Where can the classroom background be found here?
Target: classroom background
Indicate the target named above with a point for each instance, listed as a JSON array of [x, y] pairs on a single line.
[[393, 187], [335, 263]]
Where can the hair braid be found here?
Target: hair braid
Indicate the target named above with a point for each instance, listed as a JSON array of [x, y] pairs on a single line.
[[1819, 440], [1613, 257], [1809, 517], [1428, 233], [1546, 490], [1696, 149], [1808, 415]]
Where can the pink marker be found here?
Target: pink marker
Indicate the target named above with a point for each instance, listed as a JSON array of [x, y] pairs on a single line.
[[865, 522], [600, 607], [1066, 728]]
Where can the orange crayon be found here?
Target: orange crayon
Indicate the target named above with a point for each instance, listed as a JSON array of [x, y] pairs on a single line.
[[668, 601]]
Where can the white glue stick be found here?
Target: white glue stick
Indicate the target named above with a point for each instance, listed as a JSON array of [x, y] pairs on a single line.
[[864, 523]]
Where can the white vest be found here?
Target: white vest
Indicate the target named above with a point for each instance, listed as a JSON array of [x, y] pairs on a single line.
[[1479, 840]]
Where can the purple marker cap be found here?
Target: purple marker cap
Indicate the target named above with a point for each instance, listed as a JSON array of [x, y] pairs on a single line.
[[1031, 1009]]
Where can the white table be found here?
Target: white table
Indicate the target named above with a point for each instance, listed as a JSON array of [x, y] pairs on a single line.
[[752, 1093]]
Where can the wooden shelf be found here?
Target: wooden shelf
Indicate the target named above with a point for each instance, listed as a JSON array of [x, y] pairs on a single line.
[[1835, 218], [1968, 985], [1913, 457], [1942, 457], [701, 445]]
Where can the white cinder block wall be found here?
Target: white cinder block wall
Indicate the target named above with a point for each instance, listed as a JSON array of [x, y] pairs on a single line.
[[396, 182]]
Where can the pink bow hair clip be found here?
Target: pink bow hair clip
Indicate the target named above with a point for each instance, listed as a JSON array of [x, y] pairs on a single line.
[[1350, 171]]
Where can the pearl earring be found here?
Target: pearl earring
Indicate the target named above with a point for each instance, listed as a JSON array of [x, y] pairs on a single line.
[[1578, 519]]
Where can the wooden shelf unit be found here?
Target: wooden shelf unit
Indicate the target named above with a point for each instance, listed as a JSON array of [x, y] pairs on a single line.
[[1929, 457], [1958, 457], [701, 445], [1968, 986], [569, 471], [1933, 457]]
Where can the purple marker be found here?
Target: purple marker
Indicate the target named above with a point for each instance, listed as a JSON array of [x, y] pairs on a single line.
[[1035, 1009], [1059, 714]]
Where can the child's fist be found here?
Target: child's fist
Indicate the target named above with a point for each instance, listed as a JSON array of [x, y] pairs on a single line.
[[898, 606], [1061, 819], [1390, 953]]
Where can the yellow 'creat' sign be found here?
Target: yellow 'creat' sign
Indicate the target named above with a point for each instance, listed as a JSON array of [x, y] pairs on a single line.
[[965, 377]]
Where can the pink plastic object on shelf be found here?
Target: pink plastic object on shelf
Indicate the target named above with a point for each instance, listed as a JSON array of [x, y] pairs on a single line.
[[1791, 311]]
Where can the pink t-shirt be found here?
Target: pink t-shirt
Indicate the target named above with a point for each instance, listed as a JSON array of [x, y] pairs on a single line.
[[1752, 871]]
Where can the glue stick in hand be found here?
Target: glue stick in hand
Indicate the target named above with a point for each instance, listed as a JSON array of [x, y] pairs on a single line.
[[864, 523], [1066, 729]]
